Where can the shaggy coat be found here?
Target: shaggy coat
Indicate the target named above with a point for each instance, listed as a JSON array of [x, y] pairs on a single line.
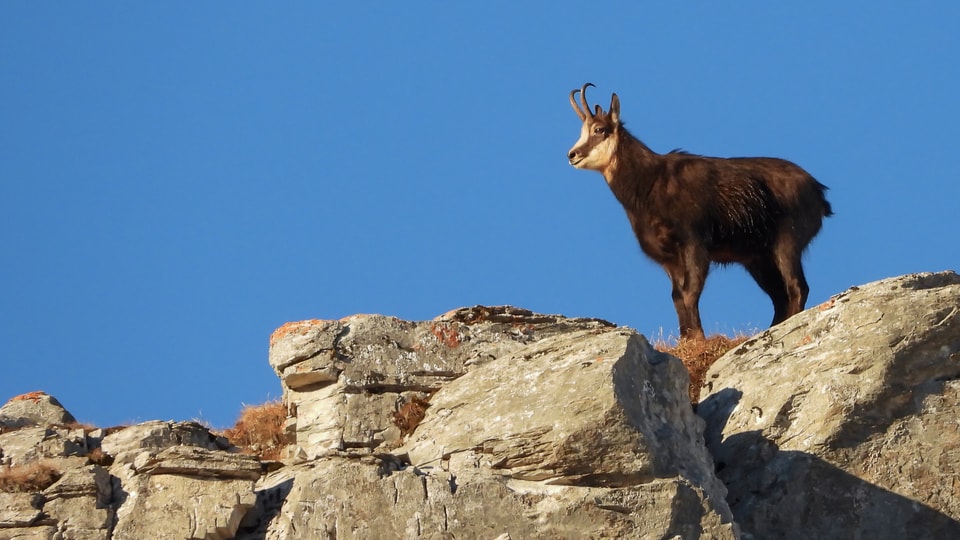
[[688, 210]]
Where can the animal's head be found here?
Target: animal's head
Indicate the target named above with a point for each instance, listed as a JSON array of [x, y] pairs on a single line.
[[599, 134]]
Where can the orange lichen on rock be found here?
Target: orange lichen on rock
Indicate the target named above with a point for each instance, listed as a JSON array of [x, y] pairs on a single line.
[[32, 396], [296, 327], [446, 333]]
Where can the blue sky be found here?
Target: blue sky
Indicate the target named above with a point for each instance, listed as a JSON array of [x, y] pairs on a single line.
[[178, 179]]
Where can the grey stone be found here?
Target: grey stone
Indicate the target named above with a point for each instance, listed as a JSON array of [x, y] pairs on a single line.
[[79, 503], [540, 426], [343, 498], [842, 422], [330, 369], [149, 438], [32, 443], [34, 408], [839, 423], [19, 509]]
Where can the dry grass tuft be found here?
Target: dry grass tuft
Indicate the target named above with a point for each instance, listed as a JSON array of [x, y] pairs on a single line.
[[259, 431], [698, 355], [98, 457], [28, 478], [409, 415]]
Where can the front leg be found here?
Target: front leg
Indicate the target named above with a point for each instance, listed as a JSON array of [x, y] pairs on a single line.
[[688, 276]]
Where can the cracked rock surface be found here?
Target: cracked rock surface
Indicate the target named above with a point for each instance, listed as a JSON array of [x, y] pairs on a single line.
[[842, 422], [537, 426], [501, 423]]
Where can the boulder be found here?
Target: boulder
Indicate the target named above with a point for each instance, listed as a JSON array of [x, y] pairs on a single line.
[[39, 532], [540, 426], [156, 435], [19, 510], [354, 498], [166, 480], [33, 408], [178, 480], [842, 421], [32, 443], [79, 503], [187, 492], [586, 408], [345, 379]]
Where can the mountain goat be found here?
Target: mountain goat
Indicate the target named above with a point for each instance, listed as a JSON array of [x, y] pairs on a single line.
[[688, 210]]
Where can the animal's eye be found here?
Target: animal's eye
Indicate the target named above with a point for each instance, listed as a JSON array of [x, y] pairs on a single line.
[[599, 130]]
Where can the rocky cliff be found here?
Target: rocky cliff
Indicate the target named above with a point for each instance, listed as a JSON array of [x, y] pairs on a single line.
[[496, 422]]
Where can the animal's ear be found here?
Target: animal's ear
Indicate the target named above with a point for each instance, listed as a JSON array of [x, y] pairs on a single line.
[[615, 108]]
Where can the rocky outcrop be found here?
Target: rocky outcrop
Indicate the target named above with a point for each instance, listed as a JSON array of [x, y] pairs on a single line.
[[345, 379], [540, 426], [34, 408], [496, 422], [842, 423], [153, 480]]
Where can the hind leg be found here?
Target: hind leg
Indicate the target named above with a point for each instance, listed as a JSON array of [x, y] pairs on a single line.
[[765, 272], [787, 257]]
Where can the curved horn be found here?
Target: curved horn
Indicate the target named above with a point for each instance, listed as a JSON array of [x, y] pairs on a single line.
[[576, 108], [583, 98]]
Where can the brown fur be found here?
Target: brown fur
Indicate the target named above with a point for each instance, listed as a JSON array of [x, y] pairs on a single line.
[[688, 210]]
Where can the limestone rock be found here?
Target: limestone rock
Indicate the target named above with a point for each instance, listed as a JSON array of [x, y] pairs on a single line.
[[587, 408], [540, 427], [202, 463], [39, 532], [185, 507], [340, 498], [19, 510], [842, 422], [188, 492], [169, 480], [839, 423], [176, 480], [34, 408], [330, 369], [33, 443], [156, 435], [79, 503]]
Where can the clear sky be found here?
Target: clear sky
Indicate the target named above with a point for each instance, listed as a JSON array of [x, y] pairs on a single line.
[[178, 179]]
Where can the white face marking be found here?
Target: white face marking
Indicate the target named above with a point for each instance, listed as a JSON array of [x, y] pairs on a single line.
[[584, 135], [595, 157]]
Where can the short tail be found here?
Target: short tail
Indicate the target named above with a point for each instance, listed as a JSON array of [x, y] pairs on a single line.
[[827, 209]]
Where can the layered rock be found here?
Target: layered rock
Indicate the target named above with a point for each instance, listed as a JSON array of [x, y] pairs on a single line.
[[540, 426], [345, 379], [34, 408], [496, 422], [842, 422], [153, 480]]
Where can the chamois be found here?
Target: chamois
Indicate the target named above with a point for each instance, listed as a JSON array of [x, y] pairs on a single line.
[[688, 210]]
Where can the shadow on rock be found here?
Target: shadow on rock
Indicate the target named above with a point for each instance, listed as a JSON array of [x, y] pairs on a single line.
[[776, 493], [269, 502]]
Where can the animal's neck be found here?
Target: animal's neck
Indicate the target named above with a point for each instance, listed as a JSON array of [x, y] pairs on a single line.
[[631, 169]]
